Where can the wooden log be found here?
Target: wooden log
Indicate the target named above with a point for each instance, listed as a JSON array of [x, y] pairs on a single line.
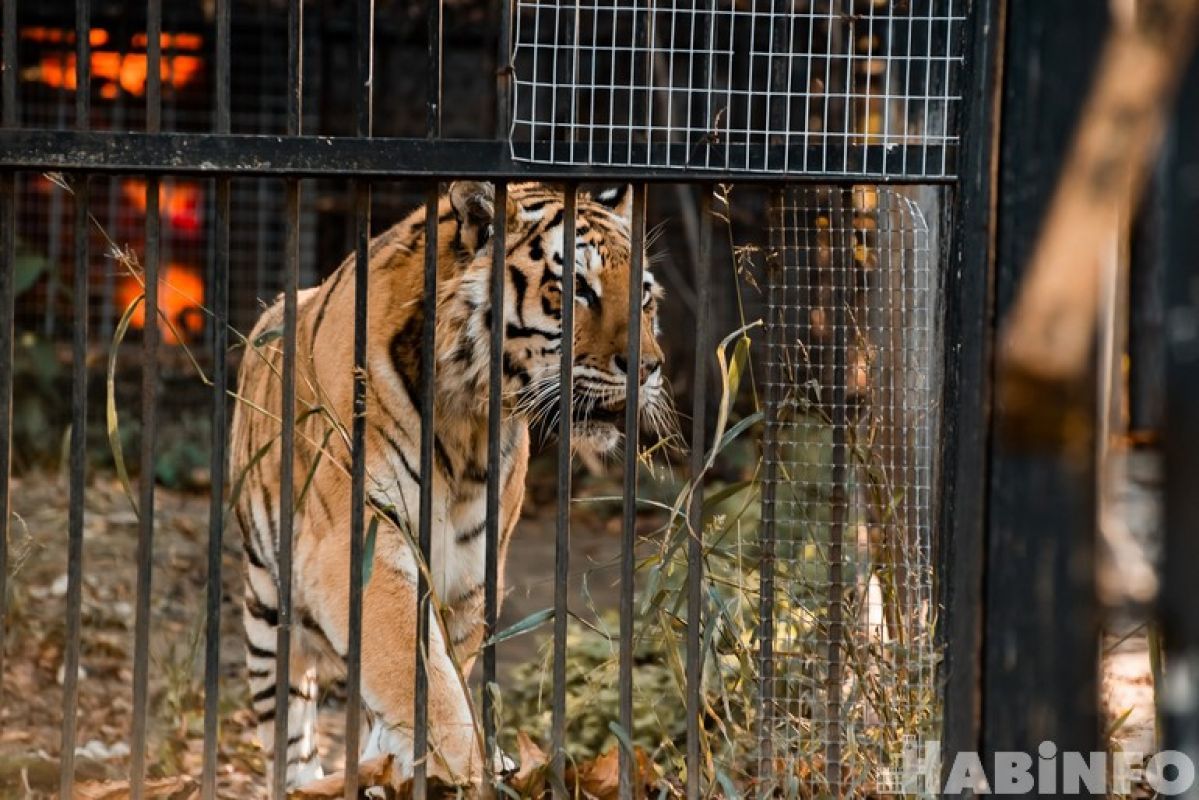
[[1046, 343]]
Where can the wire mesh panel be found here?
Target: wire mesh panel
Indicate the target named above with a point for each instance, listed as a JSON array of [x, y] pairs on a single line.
[[838, 87], [848, 512]]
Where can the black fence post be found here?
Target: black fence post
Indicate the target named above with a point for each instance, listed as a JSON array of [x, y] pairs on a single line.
[[1179, 706], [1040, 637], [967, 389]]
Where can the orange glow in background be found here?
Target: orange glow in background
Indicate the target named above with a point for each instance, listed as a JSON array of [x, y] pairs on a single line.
[[180, 299], [98, 36], [111, 69], [179, 203]]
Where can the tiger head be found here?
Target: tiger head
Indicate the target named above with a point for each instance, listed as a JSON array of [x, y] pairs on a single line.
[[533, 308]]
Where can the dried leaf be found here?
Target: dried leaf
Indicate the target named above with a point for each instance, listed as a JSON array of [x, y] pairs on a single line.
[[177, 787], [600, 779], [529, 780]]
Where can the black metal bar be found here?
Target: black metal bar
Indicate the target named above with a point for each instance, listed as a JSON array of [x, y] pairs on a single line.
[[444, 159], [962, 498], [495, 378], [628, 539], [10, 114], [495, 408], [283, 556], [504, 70], [9, 117], [428, 397], [1040, 640], [78, 464], [562, 534], [78, 457], [153, 66], [291, 279], [362, 215], [219, 306], [842, 245], [1180, 625], [217, 468], [420, 694], [776, 272], [362, 218], [145, 538], [8, 251], [695, 509], [433, 71], [1146, 312]]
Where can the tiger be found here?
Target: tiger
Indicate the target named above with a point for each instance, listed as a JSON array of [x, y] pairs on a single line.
[[324, 392]]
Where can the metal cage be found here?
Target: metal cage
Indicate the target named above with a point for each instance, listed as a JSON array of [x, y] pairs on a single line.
[[808, 88], [824, 94]]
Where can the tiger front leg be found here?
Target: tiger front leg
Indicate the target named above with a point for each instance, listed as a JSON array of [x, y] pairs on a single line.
[[389, 672]]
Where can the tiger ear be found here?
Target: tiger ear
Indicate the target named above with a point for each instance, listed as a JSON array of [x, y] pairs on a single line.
[[474, 207], [619, 199]]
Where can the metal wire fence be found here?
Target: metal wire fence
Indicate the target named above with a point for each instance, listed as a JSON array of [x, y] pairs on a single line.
[[845, 604], [848, 461], [815, 87]]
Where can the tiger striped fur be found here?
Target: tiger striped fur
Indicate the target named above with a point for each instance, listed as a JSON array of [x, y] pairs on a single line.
[[324, 388]]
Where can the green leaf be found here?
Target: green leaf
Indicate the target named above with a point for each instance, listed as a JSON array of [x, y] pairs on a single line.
[[368, 551], [730, 790], [531, 622], [27, 271], [735, 431], [622, 736], [267, 336]]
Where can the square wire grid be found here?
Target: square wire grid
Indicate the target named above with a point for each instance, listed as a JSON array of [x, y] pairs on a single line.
[[836, 87], [851, 348]]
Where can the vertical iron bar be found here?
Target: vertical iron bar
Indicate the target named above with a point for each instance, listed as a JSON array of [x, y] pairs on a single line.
[[695, 512], [217, 465], [8, 251], [968, 306], [362, 215], [1040, 640], [773, 334], [495, 383], [1179, 707], [428, 397], [10, 113], [628, 538], [495, 408], [420, 693], [841, 244], [145, 538], [216, 468], [562, 531], [78, 457], [503, 110], [291, 278]]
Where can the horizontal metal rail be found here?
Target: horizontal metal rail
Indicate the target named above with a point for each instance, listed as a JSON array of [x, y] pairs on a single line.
[[362, 157]]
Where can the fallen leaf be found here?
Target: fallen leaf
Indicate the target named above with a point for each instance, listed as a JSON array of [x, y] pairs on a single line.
[[600, 778], [177, 787], [529, 780]]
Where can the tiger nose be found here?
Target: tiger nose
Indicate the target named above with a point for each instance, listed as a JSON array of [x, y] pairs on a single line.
[[649, 365]]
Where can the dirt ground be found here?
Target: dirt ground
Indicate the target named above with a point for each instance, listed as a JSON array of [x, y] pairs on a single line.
[[31, 712]]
